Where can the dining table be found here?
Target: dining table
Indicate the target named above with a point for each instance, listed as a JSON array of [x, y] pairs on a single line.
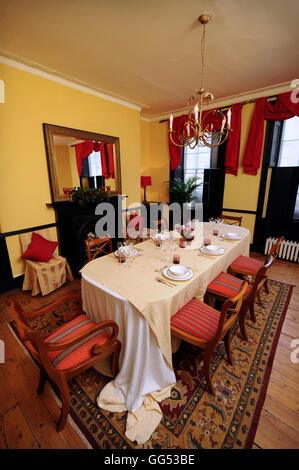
[[141, 300]]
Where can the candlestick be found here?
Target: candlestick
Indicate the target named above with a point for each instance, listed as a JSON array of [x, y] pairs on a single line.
[[229, 114], [170, 122]]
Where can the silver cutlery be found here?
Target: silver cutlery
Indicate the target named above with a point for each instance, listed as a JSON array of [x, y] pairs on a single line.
[[167, 283]]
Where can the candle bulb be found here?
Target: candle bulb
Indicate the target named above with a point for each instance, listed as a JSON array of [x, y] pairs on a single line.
[[222, 127], [188, 129], [196, 112], [211, 127], [170, 122], [229, 114]]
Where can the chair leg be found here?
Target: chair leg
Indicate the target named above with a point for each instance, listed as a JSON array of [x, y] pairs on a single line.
[[207, 370], [242, 317], [65, 404], [266, 286], [252, 313], [227, 342], [43, 376], [258, 295]]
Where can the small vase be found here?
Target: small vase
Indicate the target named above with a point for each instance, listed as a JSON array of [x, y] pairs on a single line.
[[183, 242]]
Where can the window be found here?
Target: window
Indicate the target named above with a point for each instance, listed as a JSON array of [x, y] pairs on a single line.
[[95, 166], [289, 146], [296, 210], [195, 162]]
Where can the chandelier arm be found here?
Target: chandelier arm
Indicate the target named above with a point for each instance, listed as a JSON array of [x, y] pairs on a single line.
[[182, 145]]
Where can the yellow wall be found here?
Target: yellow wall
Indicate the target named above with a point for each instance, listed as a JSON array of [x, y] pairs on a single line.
[[155, 159], [24, 185], [240, 192]]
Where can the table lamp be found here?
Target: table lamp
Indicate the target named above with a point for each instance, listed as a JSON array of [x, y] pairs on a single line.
[[145, 181]]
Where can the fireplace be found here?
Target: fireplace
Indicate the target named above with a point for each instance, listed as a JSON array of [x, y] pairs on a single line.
[[74, 223]]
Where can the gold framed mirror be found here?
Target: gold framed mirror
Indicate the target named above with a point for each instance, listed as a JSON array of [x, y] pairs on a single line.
[[78, 158]]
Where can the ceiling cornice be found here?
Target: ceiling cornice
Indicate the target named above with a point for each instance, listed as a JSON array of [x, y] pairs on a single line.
[[54, 76]]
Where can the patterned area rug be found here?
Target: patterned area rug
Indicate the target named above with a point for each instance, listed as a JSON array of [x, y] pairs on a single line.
[[192, 418]]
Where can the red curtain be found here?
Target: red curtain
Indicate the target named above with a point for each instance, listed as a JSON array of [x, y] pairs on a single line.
[[233, 142], [82, 151], [282, 108], [174, 151], [111, 161]]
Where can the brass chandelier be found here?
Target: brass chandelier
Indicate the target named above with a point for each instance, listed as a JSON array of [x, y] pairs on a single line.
[[199, 130]]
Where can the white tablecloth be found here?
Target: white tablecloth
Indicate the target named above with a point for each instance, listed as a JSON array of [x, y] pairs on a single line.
[[144, 375]]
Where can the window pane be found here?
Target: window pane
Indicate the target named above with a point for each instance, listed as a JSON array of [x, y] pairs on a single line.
[[289, 148], [196, 160], [95, 165], [289, 154]]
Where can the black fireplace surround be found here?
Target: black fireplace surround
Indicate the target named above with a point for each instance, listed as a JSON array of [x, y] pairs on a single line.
[[74, 222]]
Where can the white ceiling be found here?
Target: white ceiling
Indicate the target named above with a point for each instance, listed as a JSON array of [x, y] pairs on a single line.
[[148, 51]]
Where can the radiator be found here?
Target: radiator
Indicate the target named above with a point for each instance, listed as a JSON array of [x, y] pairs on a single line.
[[288, 250]]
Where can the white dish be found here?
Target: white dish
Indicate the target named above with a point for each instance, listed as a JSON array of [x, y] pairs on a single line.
[[187, 276], [206, 252], [212, 248], [178, 271], [231, 236], [128, 254]]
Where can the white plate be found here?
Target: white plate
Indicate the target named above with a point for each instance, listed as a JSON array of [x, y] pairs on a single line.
[[178, 270], [212, 249], [228, 236], [188, 275], [133, 253], [206, 252]]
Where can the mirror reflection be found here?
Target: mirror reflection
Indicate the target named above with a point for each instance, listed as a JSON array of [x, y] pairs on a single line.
[[74, 160]]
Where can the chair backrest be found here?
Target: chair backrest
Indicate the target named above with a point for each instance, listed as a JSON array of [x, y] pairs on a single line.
[[25, 238], [98, 246], [274, 249], [231, 219], [229, 312]]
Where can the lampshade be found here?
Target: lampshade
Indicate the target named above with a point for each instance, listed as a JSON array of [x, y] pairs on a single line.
[[146, 181]]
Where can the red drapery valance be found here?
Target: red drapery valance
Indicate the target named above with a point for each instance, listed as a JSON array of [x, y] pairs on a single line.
[[282, 108], [84, 149]]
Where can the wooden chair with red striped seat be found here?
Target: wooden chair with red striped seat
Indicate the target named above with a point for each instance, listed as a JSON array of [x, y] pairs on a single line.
[[248, 266], [225, 286], [68, 350], [201, 325]]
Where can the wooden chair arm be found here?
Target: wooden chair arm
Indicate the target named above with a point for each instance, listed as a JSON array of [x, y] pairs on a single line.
[[36, 339]]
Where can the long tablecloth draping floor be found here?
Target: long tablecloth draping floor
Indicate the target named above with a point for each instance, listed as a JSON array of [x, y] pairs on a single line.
[[142, 307]]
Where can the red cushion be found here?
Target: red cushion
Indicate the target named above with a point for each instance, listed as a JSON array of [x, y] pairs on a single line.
[[81, 351], [198, 319], [245, 263], [227, 286], [40, 249]]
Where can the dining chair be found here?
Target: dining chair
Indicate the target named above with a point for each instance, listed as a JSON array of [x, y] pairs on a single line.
[[98, 246], [225, 286], [231, 219], [201, 325], [43, 276], [68, 350], [248, 266]]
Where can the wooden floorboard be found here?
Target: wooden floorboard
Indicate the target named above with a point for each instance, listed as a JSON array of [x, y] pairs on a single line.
[[29, 421]]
